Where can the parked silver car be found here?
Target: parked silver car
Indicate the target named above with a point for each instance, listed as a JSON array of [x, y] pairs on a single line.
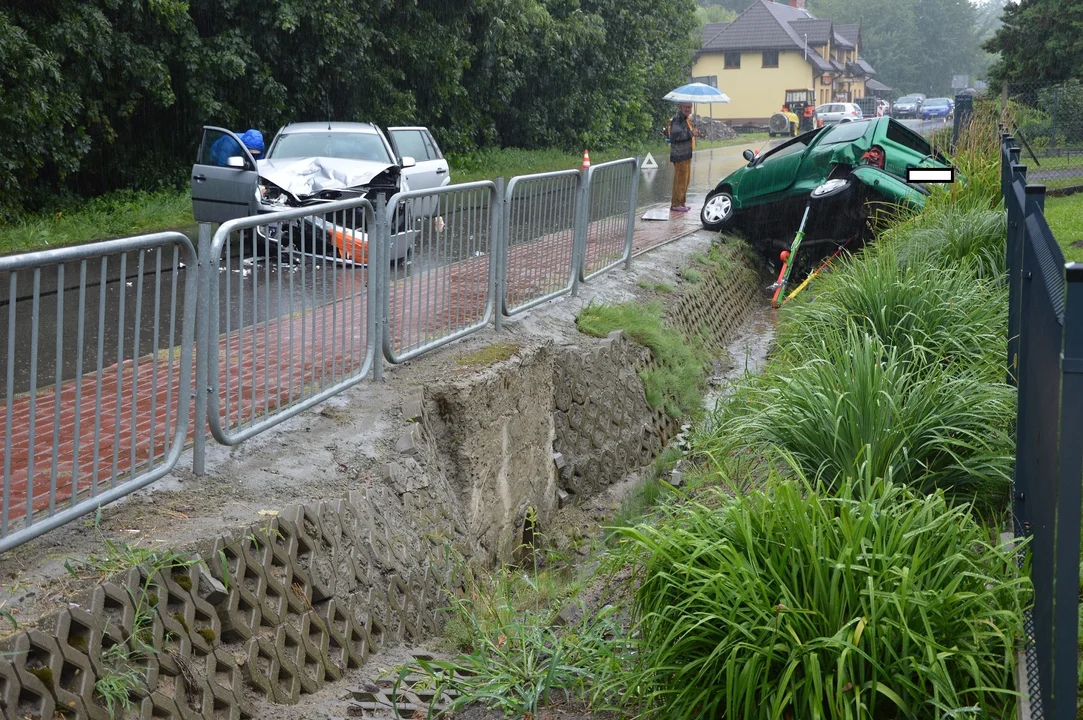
[[308, 164], [832, 113]]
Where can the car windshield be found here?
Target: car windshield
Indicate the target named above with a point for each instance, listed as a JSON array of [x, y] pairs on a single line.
[[846, 132], [908, 99], [345, 145], [937, 102]]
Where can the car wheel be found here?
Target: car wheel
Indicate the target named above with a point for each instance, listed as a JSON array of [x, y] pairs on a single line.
[[717, 211], [831, 188]]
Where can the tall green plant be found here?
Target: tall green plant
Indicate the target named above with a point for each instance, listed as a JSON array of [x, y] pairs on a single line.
[[862, 407], [793, 602]]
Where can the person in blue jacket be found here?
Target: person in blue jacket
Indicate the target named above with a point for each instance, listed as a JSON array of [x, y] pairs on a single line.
[[225, 146]]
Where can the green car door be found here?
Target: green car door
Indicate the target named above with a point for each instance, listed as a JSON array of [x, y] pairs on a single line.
[[773, 172]]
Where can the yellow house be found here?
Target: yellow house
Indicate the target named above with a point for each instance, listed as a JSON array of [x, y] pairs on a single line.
[[773, 47]]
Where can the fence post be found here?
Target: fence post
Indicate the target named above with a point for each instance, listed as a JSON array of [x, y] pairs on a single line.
[[1069, 498], [497, 249], [1016, 173], [582, 220], [1053, 126], [378, 276], [632, 212], [202, 345]]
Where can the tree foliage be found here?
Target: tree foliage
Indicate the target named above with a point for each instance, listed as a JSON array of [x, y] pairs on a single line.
[[1039, 43], [101, 94], [915, 45]]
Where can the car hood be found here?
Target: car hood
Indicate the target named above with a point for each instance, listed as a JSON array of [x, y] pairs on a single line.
[[306, 176]]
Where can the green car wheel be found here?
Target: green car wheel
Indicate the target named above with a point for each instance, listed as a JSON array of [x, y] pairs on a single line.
[[717, 212]]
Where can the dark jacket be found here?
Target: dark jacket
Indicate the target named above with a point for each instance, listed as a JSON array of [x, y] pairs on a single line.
[[680, 139]]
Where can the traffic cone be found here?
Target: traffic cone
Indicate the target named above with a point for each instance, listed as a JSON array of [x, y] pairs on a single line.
[[586, 162]]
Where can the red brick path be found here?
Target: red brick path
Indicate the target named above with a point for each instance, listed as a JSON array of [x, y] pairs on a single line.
[[319, 348]]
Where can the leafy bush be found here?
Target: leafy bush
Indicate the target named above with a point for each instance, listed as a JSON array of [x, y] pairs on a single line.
[[789, 602], [862, 407]]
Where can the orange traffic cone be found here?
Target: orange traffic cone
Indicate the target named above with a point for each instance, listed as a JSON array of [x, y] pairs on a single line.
[[586, 162]]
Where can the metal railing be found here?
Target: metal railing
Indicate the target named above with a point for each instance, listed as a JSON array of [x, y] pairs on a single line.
[[539, 253], [446, 291], [277, 312], [1045, 359], [290, 319], [610, 197], [107, 346]]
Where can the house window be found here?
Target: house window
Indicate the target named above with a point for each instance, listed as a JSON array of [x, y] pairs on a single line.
[[770, 58], [732, 61], [711, 80]]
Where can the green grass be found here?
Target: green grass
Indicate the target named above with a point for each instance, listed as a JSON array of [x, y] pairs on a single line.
[[676, 381], [871, 601], [1065, 217], [489, 355], [114, 215], [516, 654], [659, 287]]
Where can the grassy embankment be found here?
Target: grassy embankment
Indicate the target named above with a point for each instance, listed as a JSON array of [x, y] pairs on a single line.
[[130, 213], [840, 528]]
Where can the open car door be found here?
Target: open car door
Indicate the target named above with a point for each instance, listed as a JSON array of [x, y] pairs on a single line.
[[224, 178], [431, 169]]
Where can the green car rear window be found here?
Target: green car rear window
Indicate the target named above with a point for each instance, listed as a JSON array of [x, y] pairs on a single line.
[[846, 132], [899, 134]]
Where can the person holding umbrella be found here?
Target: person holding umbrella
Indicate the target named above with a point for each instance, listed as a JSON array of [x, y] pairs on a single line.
[[682, 137], [682, 141]]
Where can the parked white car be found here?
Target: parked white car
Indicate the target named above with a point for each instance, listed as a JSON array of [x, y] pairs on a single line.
[[832, 113], [308, 164]]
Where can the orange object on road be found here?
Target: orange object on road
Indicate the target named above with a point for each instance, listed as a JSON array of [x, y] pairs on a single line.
[[351, 245], [586, 162]]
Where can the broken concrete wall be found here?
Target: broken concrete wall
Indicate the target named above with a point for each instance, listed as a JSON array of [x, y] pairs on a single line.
[[496, 429]]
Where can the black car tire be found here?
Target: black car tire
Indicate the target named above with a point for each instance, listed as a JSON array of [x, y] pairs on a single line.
[[717, 211]]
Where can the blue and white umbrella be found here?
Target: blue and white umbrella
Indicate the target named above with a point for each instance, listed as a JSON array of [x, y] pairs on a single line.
[[697, 93]]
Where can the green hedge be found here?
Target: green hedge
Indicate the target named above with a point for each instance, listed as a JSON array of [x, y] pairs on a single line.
[[105, 94]]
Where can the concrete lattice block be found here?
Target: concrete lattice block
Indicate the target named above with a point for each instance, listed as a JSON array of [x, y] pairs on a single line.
[[34, 654], [259, 656]]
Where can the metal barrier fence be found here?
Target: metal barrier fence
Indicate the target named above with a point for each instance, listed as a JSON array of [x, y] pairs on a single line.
[[105, 344], [447, 290], [281, 312], [611, 190], [540, 213], [290, 320], [1045, 358]]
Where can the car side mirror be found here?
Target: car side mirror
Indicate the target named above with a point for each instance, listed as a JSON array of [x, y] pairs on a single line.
[[748, 155], [235, 162], [408, 162]]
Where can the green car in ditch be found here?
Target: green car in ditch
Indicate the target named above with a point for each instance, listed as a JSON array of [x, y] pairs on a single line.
[[836, 171]]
